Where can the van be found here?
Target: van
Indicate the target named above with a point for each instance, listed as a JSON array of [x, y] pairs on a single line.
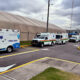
[[74, 38], [9, 40], [62, 38], [43, 39]]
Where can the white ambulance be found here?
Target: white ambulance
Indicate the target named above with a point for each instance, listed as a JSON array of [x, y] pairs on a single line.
[[9, 40], [62, 38], [43, 39], [74, 38]]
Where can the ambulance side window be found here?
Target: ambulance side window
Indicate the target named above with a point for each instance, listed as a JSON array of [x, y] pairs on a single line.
[[1, 37], [61, 36]]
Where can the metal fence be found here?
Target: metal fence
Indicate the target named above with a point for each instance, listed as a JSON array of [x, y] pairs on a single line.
[[26, 36]]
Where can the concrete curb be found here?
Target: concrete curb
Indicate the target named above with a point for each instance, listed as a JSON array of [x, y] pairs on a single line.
[[35, 67]]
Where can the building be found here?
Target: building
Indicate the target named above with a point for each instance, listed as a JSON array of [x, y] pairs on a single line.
[[28, 27]]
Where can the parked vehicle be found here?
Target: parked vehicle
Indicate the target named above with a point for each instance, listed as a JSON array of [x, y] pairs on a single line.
[[9, 40], [62, 38], [74, 38], [43, 39]]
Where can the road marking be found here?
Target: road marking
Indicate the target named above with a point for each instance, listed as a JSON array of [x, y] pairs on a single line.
[[6, 68], [63, 60], [20, 53], [32, 48], [22, 65], [36, 61], [76, 45], [46, 49]]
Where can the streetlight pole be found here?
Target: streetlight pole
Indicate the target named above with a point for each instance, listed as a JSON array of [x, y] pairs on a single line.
[[48, 16]]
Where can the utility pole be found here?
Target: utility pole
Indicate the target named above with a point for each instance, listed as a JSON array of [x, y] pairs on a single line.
[[48, 16], [72, 15]]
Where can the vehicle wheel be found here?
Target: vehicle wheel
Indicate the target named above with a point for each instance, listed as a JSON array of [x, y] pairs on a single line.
[[76, 41], [64, 42], [61, 43], [32, 45], [42, 45], [52, 44], [9, 49]]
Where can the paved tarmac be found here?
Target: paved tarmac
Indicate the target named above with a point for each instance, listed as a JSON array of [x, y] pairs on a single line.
[[68, 51], [31, 69]]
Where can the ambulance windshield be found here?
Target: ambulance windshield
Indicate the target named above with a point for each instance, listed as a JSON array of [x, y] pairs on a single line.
[[36, 36], [42, 36], [58, 36]]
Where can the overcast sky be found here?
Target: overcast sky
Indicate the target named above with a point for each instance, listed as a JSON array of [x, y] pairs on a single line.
[[60, 10]]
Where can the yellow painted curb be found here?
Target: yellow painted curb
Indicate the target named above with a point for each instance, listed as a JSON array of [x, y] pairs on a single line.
[[23, 46], [58, 59], [78, 47], [36, 61], [34, 50], [22, 65]]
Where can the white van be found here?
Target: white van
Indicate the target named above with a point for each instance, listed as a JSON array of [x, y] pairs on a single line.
[[62, 38], [44, 39], [75, 38], [9, 40]]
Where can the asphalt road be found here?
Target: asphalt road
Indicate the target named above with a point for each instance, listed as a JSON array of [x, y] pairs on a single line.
[[67, 52]]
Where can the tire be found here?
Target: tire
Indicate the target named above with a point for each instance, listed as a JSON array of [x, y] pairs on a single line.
[[52, 44], [76, 41], [9, 49], [42, 45], [63, 42], [32, 45]]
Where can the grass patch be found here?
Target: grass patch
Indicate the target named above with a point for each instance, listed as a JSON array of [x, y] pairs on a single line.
[[25, 42], [55, 74]]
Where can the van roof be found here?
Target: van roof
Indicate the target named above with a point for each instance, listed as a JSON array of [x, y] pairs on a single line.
[[10, 30]]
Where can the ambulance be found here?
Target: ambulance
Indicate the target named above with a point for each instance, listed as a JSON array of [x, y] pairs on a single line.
[[62, 38], [43, 39], [9, 40], [74, 38]]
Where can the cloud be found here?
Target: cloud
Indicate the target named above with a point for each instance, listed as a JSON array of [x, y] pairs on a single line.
[[60, 11], [65, 10], [68, 3], [22, 5]]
